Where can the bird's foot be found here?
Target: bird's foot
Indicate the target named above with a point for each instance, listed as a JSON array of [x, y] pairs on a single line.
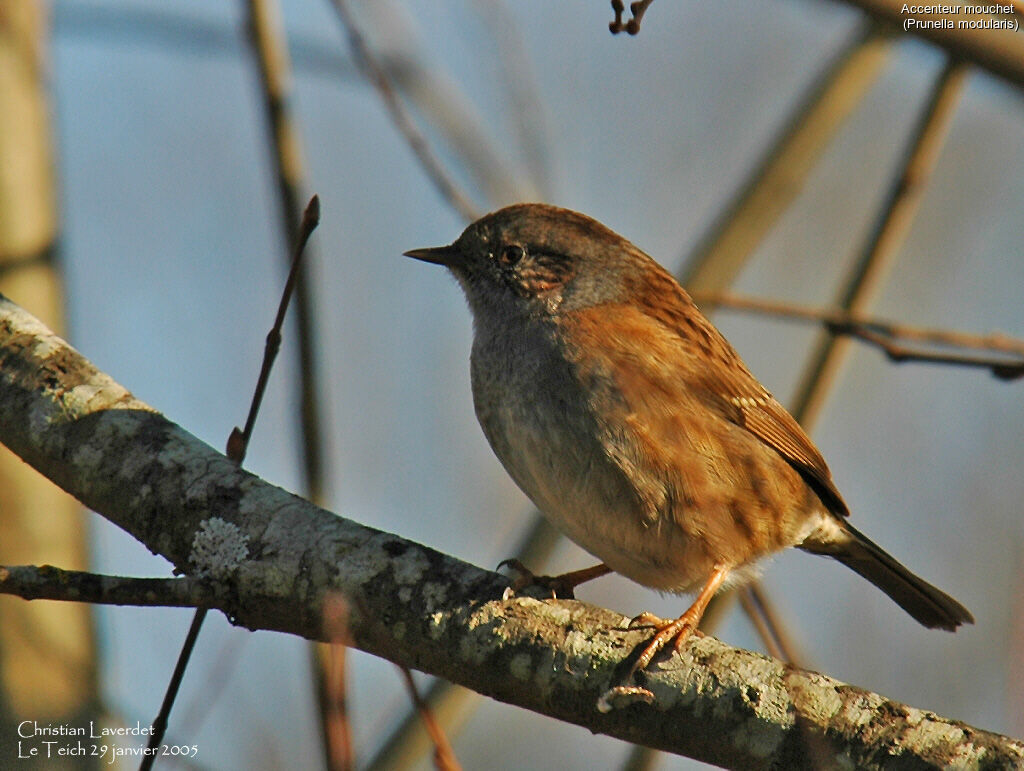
[[665, 631], [680, 630], [677, 632], [560, 587]]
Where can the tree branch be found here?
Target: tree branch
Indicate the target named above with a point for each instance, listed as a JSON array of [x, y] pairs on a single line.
[[934, 346], [281, 557], [378, 76], [49, 583]]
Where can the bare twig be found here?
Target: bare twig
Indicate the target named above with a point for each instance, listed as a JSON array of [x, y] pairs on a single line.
[[824, 361], [888, 336], [159, 726], [761, 610], [49, 583], [718, 260], [446, 186], [450, 704], [444, 757], [270, 51], [637, 10], [525, 108], [238, 442]]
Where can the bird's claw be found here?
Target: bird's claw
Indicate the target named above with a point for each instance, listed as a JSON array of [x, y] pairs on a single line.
[[622, 696], [526, 578], [646, 619]]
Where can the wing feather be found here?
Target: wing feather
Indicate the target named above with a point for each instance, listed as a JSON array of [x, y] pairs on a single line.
[[730, 389]]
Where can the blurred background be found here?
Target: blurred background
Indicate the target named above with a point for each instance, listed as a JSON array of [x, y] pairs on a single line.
[[170, 243]]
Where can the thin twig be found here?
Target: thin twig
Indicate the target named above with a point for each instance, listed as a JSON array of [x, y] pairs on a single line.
[[450, 191], [446, 186], [524, 106], [759, 606], [238, 442], [765, 630], [450, 704], [159, 726], [337, 727], [889, 336], [270, 52], [45, 582], [444, 758]]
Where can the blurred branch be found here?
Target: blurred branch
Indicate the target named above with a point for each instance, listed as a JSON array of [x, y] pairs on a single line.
[[890, 337], [444, 758], [524, 105], [765, 617], [640, 758], [450, 704], [779, 177], [48, 653], [435, 96], [444, 106], [177, 32], [334, 702], [891, 228], [999, 51], [49, 583], [279, 557], [270, 50], [444, 184]]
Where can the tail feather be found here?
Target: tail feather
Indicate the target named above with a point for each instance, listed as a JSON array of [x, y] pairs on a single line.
[[930, 606]]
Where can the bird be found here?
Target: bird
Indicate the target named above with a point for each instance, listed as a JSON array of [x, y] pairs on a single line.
[[633, 425]]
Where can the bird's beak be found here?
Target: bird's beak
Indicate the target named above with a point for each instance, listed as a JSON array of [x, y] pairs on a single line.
[[439, 255]]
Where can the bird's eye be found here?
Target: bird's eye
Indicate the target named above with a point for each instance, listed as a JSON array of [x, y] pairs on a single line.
[[511, 254]]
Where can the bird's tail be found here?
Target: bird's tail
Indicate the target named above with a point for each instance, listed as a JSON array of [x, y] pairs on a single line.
[[930, 606]]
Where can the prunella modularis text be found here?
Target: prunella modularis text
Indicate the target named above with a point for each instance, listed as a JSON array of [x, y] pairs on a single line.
[[634, 426]]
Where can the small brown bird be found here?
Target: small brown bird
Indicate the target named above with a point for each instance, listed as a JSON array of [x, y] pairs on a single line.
[[634, 426]]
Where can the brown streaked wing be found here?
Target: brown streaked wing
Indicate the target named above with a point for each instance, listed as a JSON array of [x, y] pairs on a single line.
[[734, 391]]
